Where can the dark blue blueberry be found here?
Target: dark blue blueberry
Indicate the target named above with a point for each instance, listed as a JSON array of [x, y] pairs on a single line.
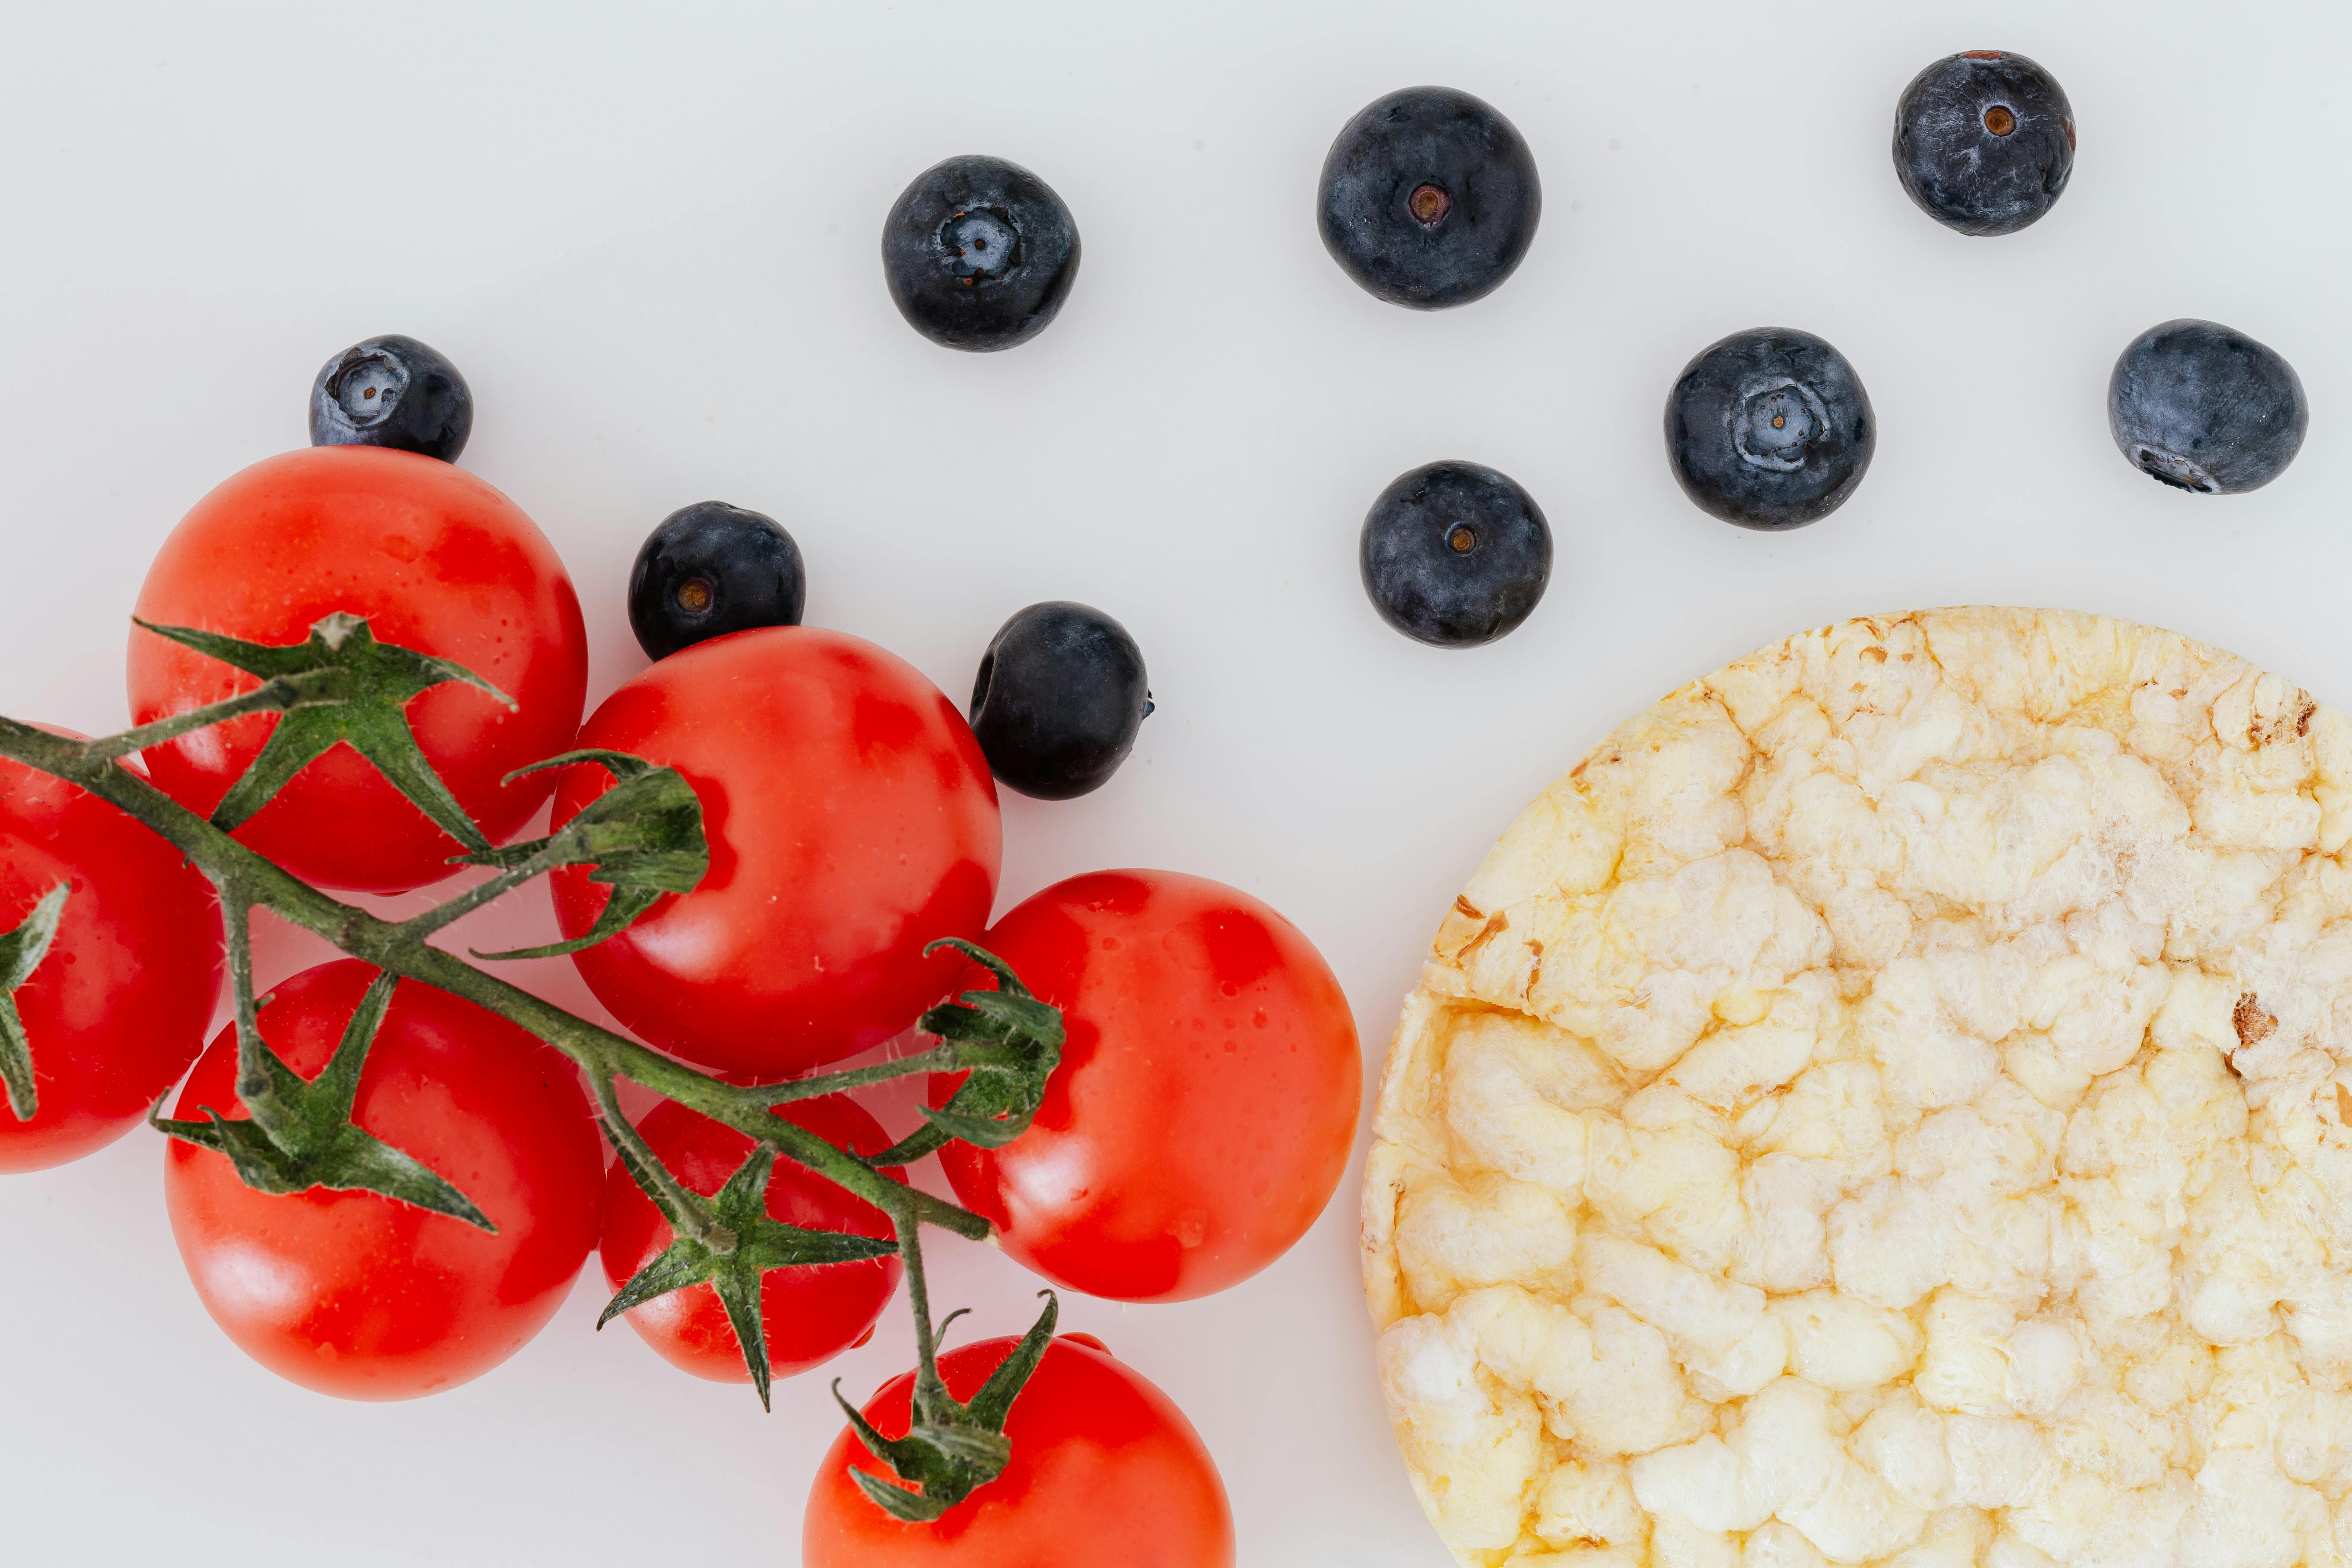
[[1060, 696], [2204, 409], [1984, 141], [979, 253], [1769, 428], [393, 391], [709, 569], [1455, 554], [1429, 198]]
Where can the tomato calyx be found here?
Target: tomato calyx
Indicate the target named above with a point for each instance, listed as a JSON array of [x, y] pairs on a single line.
[[338, 686], [644, 836], [951, 1448], [300, 1133], [727, 1242], [21, 952], [1007, 1040]]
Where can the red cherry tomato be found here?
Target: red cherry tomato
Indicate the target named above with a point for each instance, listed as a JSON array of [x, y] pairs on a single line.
[[437, 561], [1207, 1095], [811, 1314], [363, 1296], [851, 820], [117, 1010], [1105, 1469]]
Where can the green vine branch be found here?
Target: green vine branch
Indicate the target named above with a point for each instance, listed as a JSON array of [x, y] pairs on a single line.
[[247, 879], [643, 838]]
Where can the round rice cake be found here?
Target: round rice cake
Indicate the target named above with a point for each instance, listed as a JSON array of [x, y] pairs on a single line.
[[1889, 1103]]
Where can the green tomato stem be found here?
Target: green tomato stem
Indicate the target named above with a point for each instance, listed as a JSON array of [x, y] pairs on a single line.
[[269, 697], [246, 879], [939, 1059], [417, 927], [929, 1390], [687, 1212]]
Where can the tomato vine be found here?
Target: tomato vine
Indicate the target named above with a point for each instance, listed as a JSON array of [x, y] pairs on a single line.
[[643, 837]]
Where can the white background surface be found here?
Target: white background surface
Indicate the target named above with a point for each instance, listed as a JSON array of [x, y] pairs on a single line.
[[648, 237]]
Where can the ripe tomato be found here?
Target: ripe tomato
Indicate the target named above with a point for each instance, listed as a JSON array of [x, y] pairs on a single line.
[[811, 1314], [363, 1296], [439, 562], [116, 1011], [851, 820], [1105, 1468], [1207, 1095]]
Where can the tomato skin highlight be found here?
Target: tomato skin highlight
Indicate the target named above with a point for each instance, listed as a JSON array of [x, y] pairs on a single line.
[[851, 819], [361, 1296], [439, 562], [811, 1314], [1105, 1469], [1207, 1102], [117, 1008]]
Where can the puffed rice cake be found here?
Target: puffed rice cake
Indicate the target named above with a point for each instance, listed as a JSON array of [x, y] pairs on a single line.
[[1888, 1104]]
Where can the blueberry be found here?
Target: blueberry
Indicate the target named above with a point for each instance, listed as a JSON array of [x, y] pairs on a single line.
[[1060, 696], [1769, 428], [1984, 141], [393, 391], [2203, 408], [1455, 554], [1429, 198], [709, 569], [979, 253]]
